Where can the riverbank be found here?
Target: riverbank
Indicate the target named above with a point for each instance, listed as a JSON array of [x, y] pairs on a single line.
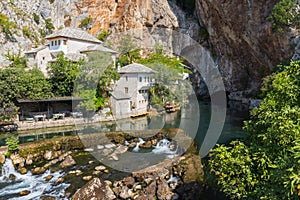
[[166, 179], [71, 122]]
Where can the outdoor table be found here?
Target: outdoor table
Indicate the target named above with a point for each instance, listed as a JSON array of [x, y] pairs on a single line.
[[59, 116], [39, 117]]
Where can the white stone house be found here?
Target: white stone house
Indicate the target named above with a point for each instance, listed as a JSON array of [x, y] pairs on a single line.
[[74, 43], [130, 96]]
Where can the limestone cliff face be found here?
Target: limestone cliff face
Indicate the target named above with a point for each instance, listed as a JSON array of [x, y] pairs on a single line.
[[242, 40], [112, 15], [127, 14]]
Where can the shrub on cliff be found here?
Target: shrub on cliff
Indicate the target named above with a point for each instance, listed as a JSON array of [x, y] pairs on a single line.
[[284, 14], [267, 164]]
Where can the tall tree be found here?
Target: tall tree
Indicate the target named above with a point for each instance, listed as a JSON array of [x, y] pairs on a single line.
[[62, 75], [129, 50], [169, 84], [94, 79], [18, 83]]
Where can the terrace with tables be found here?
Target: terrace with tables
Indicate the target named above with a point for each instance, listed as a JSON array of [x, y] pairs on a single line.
[[50, 112]]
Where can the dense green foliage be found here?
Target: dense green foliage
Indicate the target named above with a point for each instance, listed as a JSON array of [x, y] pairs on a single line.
[[36, 18], [17, 83], [62, 75], [86, 23], [12, 143], [169, 84], [284, 14], [17, 61], [103, 35], [267, 164], [49, 27], [129, 50], [93, 80], [8, 27]]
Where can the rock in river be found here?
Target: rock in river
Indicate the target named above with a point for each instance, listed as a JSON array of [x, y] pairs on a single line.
[[24, 192], [2, 158], [48, 178], [100, 168], [69, 161], [96, 189], [38, 170]]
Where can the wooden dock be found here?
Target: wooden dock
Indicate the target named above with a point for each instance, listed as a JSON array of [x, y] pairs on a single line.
[[139, 115]]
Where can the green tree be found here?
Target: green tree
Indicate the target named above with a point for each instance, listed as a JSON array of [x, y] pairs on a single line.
[[17, 61], [169, 84], [12, 143], [37, 86], [94, 80], [8, 27], [284, 15], [103, 35], [17, 83], [49, 26], [86, 23], [62, 75], [129, 50], [267, 164]]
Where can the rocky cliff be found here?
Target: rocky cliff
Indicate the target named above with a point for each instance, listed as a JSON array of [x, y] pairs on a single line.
[[243, 42], [113, 16], [236, 32]]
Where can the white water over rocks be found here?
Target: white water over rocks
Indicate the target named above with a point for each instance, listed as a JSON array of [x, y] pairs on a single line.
[[163, 147], [137, 147], [36, 184]]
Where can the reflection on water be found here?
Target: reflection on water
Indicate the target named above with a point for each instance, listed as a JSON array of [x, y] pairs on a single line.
[[185, 119]]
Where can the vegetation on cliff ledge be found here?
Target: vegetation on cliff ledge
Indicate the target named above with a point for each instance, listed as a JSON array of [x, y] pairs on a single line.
[[284, 15]]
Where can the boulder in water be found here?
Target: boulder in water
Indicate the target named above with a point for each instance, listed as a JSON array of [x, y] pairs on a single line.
[[96, 189], [96, 173], [22, 170], [109, 146], [12, 177], [49, 177], [132, 145], [24, 192], [59, 181], [121, 149], [48, 155], [29, 159], [106, 152], [87, 178], [78, 172], [46, 197], [38, 170], [100, 168], [164, 192], [147, 144], [17, 160], [119, 139], [68, 162], [2, 158], [114, 157]]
